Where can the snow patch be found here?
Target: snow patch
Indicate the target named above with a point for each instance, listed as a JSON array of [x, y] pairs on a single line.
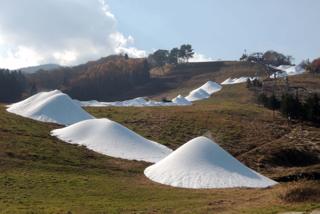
[[53, 107], [201, 163], [110, 138]]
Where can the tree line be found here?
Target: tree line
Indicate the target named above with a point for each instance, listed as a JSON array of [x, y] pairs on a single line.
[[174, 56], [12, 85], [292, 107]]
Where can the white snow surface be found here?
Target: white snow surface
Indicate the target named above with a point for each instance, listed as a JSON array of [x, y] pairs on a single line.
[[231, 81], [204, 92], [180, 100], [111, 138], [202, 164], [288, 70], [136, 102], [53, 106]]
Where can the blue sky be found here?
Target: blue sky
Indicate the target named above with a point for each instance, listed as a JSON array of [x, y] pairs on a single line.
[[223, 28], [70, 32]]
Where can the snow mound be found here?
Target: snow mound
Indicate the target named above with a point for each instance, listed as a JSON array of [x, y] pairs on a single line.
[[288, 70], [53, 107], [197, 94], [201, 163], [136, 102], [204, 92], [110, 138], [231, 81], [211, 87], [180, 100]]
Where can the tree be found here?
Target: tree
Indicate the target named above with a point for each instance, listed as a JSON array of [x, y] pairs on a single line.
[[33, 89], [174, 56], [274, 58], [291, 106], [315, 66], [249, 84], [160, 57], [244, 57], [186, 52], [312, 108], [274, 103], [255, 57]]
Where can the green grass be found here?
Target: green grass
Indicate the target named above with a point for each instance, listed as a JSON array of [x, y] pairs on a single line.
[[40, 174]]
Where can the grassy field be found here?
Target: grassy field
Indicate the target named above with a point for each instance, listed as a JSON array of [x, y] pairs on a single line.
[[40, 174]]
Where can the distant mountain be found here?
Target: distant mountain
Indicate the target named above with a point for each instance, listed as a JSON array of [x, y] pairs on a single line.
[[33, 69]]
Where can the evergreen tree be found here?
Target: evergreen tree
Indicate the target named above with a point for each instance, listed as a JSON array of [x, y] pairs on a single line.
[[186, 52], [174, 56]]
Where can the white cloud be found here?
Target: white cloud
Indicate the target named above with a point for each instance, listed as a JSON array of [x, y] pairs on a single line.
[[59, 31], [200, 58]]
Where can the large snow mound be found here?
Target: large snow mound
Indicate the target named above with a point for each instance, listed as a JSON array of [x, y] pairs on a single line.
[[231, 81], [204, 92], [110, 138], [180, 100], [53, 106], [201, 163]]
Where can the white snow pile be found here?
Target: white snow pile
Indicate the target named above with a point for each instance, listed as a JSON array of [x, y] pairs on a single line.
[[204, 92], [231, 81], [136, 102], [110, 138], [288, 70], [53, 107], [201, 163], [181, 101]]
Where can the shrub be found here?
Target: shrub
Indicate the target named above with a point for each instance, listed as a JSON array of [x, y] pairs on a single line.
[[301, 192]]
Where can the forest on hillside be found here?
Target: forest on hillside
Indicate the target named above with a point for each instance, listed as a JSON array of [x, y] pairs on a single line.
[[104, 79]]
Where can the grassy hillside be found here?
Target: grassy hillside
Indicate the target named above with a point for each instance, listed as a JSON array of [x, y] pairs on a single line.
[[180, 79], [40, 174]]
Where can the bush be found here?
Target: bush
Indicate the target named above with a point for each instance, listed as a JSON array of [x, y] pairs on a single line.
[[301, 192], [291, 107]]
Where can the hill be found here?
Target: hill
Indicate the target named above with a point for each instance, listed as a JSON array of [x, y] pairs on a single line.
[[33, 69], [42, 174], [116, 77], [183, 78], [104, 79]]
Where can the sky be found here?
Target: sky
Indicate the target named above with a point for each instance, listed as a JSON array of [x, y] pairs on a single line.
[[70, 32]]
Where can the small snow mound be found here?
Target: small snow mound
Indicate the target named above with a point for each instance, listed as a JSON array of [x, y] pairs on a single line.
[[53, 106], [204, 92], [288, 70], [110, 138], [201, 163], [136, 102], [197, 94], [211, 87], [231, 81], [180, 100]]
